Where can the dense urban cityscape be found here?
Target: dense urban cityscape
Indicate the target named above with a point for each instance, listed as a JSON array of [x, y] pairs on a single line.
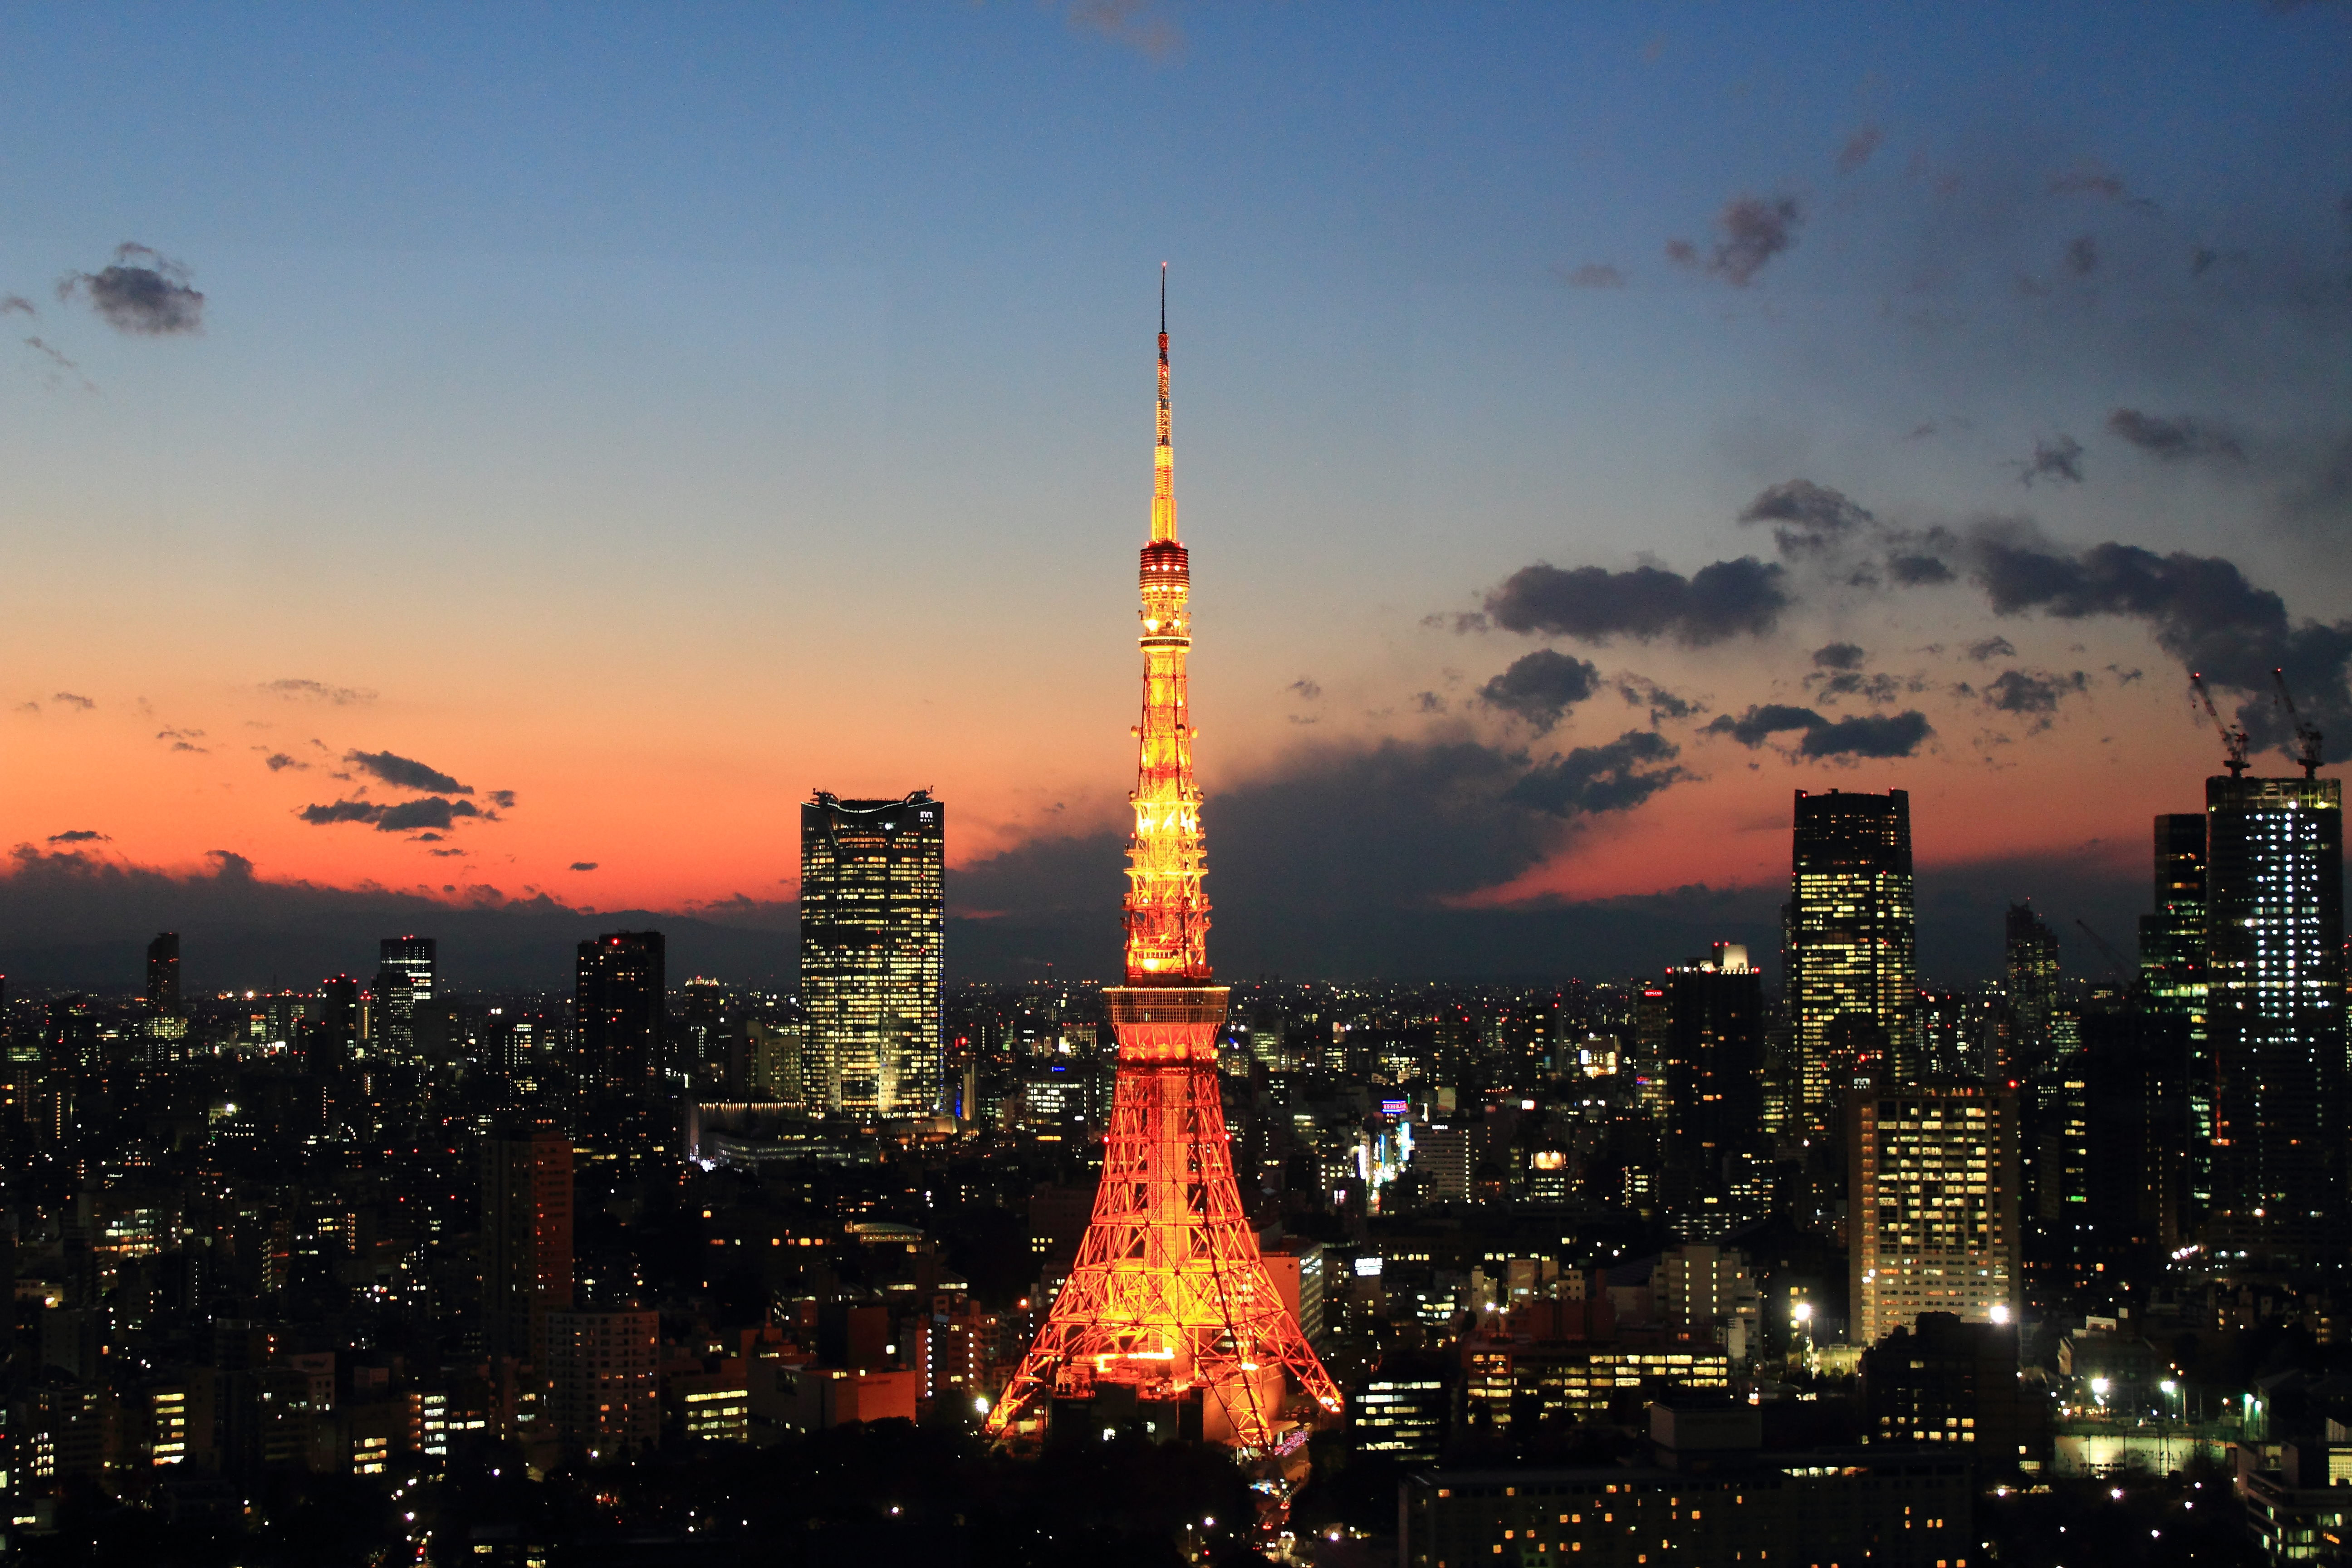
[[1775, 990], [498, 1275], [382, 1269]]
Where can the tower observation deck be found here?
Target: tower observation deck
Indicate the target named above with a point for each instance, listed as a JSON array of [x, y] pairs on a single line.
[[1169, 1313]]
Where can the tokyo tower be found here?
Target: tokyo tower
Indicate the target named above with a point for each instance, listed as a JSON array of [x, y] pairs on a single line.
[[1168, 1307]]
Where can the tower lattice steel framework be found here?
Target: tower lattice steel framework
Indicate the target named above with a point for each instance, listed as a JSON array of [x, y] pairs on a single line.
[[1169, 1296]]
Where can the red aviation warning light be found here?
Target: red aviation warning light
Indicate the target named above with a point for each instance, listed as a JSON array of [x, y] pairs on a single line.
[[1169, 1308]]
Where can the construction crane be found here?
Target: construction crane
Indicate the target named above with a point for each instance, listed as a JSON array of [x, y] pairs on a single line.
[[2307, 739], [2115, 960], [2233, 740]]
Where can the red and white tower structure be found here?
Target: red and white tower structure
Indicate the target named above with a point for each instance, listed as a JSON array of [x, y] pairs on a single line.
[[1169, 1303]]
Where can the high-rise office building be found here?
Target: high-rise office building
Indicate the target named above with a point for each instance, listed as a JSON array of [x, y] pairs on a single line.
[[1934, 1204], [2172, 973], [2274, 1016], [2030, 966], [2172, 939], [603, 1388], [332, 1036], [163, 975], [405, 980], [1714, 1071], [1850, 935], [622, 1002], [166, 1023], [526, 1238], [872, 915]]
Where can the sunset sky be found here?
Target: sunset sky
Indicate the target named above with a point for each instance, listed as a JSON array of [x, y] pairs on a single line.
[[611, 422]]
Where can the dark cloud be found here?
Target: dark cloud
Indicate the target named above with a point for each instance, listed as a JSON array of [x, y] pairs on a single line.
[[1859, 735], [1428, 702], [340, 811], [1840, 656], [72, 700], [1991, 649], [503, 799], [1641, 691], [140, 292], [1590, 780], [1869, 735], [1858, 148], [278, 762], [2082, 258], [1806, 515], [1542, 687], [1305, 688], [2174, 440], [72, 918], [1593, 605], [405, 772], [2201, 610], [2060, 462], [2032, 693], [1290, 876], [408, 817], [1760, 724], [1755, 230], [1918, 571], [584, 865], [319, 691], [1854, 683], [79, 835], [432, 811], [18, 303], [1594, 275]]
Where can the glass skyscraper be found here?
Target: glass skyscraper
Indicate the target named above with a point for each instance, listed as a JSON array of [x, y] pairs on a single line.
[[404, 976], [1851, 938], [622, 1007], [2172, 973], [872, 915], [2274, 1016], [1714, 1070], [2031, 969]]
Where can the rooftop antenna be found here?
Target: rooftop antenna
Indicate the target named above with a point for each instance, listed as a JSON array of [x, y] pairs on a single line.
[[2307, 739], [2233, 742]]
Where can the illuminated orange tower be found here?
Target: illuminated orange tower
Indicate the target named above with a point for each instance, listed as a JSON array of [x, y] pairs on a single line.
[[1169, 1303]]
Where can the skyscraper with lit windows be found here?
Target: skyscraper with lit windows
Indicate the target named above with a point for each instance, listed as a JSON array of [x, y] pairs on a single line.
[[873, 915], [2172, 975], [405, 977], [2275, 1018], [1851, 936], [622, 1004], [2030, 966], [1933, 1205]]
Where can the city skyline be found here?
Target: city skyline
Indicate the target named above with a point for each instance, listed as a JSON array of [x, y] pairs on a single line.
[[1729, 543], [1922, 423]]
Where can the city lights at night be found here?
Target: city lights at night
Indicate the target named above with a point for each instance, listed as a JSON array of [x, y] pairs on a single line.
[[1775, 632]]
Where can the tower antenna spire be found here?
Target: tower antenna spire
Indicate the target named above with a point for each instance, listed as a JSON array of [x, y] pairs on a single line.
[[1163, 455]]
